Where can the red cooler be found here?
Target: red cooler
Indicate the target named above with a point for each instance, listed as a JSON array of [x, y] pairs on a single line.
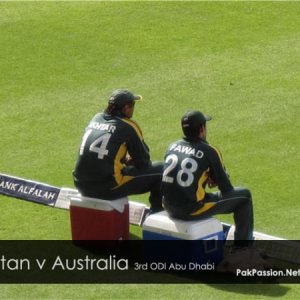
[[97, 219]]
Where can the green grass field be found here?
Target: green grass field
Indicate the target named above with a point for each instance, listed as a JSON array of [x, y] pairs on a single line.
[[237, 61]]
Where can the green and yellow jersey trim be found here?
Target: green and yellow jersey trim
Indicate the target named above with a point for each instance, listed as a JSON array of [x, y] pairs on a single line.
[[200, 194], [135, 126], [219, 154], [118, 166], [204, 208]]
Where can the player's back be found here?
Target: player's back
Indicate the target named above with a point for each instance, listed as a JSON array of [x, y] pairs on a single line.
[[102, 148], [185, 173]]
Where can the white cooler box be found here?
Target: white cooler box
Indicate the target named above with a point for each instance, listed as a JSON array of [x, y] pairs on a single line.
[[201, 241]]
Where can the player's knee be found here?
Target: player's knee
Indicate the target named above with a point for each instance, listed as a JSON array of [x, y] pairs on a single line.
[[157, 167], [244, 192], [248, 193]]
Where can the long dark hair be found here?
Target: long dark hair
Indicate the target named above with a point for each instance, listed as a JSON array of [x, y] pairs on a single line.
[[113, 110]]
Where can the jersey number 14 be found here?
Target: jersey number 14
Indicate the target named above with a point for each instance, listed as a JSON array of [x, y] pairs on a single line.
[[98, 146]]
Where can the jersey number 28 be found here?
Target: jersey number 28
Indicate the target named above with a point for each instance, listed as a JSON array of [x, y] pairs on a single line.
[[185, 174]]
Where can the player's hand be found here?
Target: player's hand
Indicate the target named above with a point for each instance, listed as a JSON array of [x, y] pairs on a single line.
[[211, 183], [128, 161]]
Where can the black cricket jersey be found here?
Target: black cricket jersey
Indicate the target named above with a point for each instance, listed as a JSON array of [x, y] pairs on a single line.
[[105, 143], [188, 165]]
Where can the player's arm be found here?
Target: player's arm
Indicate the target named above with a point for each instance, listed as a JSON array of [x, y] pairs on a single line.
[[218, 173], [139, 154], [137, 148]]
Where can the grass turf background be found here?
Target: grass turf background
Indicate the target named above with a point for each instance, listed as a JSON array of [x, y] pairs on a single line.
[[238, 61]]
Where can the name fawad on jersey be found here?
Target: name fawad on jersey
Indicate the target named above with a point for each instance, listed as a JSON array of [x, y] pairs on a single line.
[[102, 126], [187, 150]]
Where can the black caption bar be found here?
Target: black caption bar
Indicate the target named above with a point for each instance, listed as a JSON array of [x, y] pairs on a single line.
[[127, 262]]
